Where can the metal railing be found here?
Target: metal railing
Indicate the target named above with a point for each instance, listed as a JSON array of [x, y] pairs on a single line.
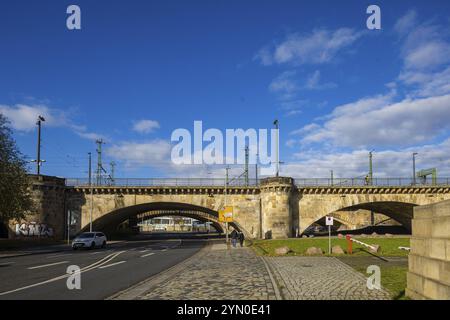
[[163, 182], [220, 182], [377, 182]]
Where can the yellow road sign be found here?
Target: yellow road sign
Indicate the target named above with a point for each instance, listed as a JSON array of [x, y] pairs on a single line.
[[226, 214]]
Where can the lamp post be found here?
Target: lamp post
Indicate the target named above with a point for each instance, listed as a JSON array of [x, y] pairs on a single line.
[[371, 167], [414, 167], [277, 160], [225, 202], [38, 160]]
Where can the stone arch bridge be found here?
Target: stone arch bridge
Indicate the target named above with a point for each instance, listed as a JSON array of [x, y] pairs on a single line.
[[276, 208]]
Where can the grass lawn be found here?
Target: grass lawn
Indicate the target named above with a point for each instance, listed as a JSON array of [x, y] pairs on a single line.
[[388, 246], [393, 278]]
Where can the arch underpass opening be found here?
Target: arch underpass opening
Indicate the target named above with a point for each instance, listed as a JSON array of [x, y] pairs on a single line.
[[400, 212], [110, 221], [183, 214]]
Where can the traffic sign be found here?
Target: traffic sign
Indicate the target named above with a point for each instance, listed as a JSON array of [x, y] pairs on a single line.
[[329, 221], [226, 214]]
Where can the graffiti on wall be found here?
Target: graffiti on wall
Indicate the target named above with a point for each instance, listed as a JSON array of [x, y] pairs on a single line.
[[33, 229]]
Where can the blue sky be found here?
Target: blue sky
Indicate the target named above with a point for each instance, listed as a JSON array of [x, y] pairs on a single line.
[[137, 70]]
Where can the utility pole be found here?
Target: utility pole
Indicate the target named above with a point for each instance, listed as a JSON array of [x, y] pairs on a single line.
[[256, 168], [38, 160], [332, 177], [225, 202], [90, 168], [246, 165], [414, 167], [99, 143], [113, 165], [370, 168], [277, 159]]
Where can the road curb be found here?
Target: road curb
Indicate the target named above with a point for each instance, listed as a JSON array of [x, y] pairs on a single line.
[[272, 279], [138, 290], [31, 253], [35, 252]]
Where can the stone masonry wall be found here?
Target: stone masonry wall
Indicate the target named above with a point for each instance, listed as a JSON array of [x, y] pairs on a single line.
[[429, 260], [48, 219]]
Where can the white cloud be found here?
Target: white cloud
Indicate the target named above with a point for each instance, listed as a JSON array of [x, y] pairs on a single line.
[[406, 22], [321, 46], [151, 153], [387, 163], [284, 84], [264, 56], [308, 128], [424, 45], [313, 82], [24, 117], [145, 126], [90, 135], [427, 55], [427, 84], [377, 122]]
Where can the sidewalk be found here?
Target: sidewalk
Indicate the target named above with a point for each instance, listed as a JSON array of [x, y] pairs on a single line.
[[215, 273], [321, 278]]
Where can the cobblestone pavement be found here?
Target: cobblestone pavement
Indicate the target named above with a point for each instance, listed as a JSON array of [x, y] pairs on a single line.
[[320, 278], [216, 274]]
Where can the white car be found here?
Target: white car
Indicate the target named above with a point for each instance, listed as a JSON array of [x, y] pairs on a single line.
[[89, 240]]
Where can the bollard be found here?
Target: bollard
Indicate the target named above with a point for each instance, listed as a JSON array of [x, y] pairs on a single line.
[[349, 244]]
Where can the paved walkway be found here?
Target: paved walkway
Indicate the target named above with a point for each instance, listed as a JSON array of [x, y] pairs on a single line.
[[217, 273], [214, 274], [320, 278]]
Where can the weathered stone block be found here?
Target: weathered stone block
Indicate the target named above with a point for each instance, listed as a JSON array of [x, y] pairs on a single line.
[[441, 228], [282, 251], [337, 250], [422, 228], [437, 249], [314, 251]]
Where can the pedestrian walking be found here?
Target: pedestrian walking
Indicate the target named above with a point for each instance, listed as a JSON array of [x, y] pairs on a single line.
[[234, 238], [241, 238]]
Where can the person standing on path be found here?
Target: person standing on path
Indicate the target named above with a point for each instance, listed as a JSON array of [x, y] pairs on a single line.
[[241, 238], [234, 238]]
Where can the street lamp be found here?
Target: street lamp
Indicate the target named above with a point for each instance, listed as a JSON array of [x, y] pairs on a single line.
[[414, 167], [371, 167], [277, 160], [38, 160]]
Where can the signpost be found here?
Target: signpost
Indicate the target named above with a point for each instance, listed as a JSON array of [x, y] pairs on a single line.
[[226, 215], [329, 223]]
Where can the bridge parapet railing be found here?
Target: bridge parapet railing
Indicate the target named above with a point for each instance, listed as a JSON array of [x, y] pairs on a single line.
[[219, 182], [162, 182], [377, 182]]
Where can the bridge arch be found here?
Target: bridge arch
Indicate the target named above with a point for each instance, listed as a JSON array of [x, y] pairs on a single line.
[[112, 219], [401, 212]]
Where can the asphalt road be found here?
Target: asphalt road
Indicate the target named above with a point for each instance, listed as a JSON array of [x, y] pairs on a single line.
[[104, 272]]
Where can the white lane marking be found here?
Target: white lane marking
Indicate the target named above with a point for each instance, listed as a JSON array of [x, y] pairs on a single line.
[[96, 252], [59, 255], [164, 249], [6, 263], [142, 251], [93, 266], [148, 254], [47, 265], [112, 264]]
